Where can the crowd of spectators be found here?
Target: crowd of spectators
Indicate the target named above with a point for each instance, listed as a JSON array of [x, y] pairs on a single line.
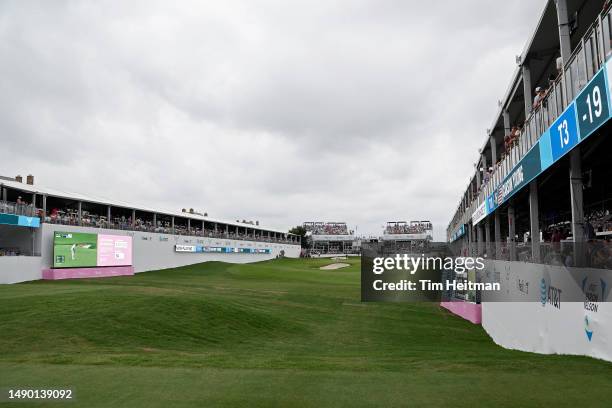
[[68, 216], [10, 252], [330, 228], [71, 217], [412, 228], [513, 138]]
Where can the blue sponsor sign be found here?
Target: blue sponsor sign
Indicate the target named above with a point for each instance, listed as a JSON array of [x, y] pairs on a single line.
[[592, 105], [491, 203], [459, 233], [207, 249], [564, 133], [546, 158], [32, 222], [20, 220], [525, 171]]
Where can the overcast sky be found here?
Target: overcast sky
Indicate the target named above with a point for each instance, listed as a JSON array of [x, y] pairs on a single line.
[[362, 111]]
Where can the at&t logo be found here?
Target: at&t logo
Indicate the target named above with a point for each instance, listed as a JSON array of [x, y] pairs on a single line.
[[550, 294]]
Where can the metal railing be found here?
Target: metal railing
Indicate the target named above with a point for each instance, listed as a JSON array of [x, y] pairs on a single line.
[[8, 207]]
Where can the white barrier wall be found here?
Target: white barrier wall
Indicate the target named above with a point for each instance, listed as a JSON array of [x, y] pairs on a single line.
[[151, 251], [546, 321], [14, 269]]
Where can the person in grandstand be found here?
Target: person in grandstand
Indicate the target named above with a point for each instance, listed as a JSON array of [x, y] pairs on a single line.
[[539, 97]]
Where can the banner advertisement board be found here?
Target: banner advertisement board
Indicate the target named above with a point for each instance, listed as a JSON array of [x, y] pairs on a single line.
[[77, 249], [208, 249], [20, 220], [480, 213], [550, 320]]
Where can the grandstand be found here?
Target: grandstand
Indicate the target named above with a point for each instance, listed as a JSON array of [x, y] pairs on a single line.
[[541, 193], [31, 215], [400, 236], [330, 238]]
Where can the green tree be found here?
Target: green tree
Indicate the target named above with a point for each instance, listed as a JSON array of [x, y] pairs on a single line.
[[301, 232]]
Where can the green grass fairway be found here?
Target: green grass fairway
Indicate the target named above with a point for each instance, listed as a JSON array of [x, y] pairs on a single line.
[[279, 333]]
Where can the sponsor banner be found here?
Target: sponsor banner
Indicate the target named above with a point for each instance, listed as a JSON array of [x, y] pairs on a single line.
[[525, 171], [565, 310], [333, 237], [32, 222], [480, 213], [184, 248], [458, 234], [224, 250], [406, 237], [20, 220]]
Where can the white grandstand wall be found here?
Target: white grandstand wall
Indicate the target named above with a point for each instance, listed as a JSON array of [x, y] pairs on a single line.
[[15, 269], [151, 251], [576, 328]]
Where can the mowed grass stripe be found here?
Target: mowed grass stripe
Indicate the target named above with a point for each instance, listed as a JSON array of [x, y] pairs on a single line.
[[297, 334]]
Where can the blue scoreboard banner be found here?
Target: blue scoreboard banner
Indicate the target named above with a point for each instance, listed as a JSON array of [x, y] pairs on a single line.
[[20, 220], [564, 133], [587, 112]]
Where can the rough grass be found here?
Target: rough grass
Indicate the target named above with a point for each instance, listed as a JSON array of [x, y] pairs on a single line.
[[280, 333]]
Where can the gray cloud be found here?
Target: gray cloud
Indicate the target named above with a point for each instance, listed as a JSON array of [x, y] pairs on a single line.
[[359, 111]]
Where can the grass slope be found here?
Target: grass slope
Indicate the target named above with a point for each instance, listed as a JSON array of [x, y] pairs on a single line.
[[280, 333]]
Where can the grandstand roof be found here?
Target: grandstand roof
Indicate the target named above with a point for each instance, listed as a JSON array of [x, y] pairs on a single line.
[[123, 204]]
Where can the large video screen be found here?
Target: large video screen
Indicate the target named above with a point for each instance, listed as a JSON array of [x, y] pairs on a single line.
[[77, 249]]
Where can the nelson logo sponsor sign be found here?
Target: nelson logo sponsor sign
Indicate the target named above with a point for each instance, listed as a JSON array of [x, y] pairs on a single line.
[[594, 293]]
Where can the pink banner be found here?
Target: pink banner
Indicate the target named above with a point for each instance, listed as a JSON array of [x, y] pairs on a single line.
[[76, 273], [469, 311], [114, 250]]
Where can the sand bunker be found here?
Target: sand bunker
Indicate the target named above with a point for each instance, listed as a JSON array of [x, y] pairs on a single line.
[[335, 266]]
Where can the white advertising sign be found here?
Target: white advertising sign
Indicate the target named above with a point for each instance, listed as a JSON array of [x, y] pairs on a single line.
[[545, 322]]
